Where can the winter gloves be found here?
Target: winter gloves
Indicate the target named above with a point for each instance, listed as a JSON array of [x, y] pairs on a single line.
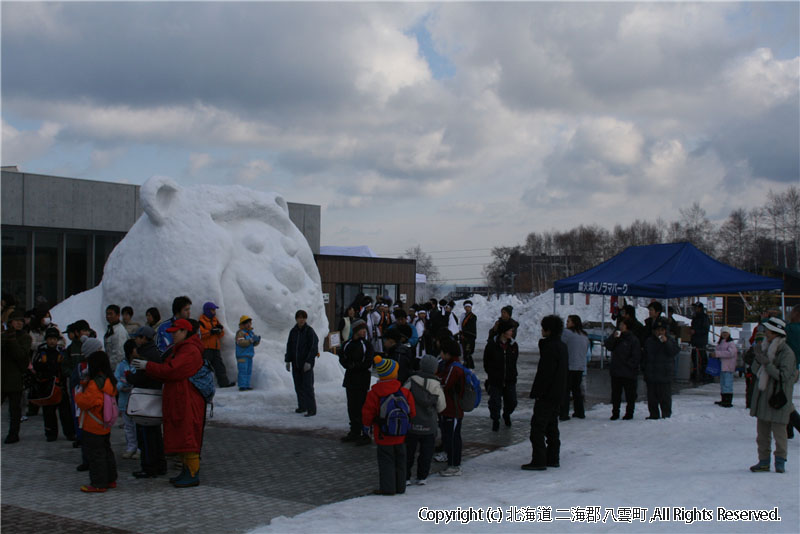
[[139, 364], [306, 367]]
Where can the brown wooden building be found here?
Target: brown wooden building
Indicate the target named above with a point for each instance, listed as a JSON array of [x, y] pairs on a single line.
[[344, 277]]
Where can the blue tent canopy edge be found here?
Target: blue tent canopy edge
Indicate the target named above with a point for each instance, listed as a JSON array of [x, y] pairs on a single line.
[[664, 271]]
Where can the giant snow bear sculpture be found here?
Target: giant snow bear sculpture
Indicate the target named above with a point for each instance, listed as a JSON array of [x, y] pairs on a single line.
[[230, 245]]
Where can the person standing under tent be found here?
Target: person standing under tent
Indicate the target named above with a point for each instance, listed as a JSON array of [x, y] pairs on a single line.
[[700, 328], [626, 354], [658, 361]]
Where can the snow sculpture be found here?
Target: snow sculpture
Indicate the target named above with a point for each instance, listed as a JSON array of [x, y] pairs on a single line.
[[230, 245]]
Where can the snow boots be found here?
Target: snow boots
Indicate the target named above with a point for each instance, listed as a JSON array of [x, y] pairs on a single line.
[[761, 466], [727, 400], [780, 464]]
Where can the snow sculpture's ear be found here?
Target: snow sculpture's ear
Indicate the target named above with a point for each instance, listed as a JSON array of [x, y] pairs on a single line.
[[279, 200], [156, 195]]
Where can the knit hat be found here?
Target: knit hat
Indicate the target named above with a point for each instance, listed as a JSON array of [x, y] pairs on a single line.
[[504, 326], [428, 364], [509, 309], [387, 369], [243, 319], [90, 345], [725, 329], [660, 322], [52, 332], [776, 325], [357, 325], [207, 307]]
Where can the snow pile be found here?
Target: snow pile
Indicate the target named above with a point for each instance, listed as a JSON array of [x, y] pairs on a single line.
[[230, 245], [529, 313], [698, 458]]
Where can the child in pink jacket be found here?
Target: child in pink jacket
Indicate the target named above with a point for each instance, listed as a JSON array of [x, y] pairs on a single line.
[[726, 352]]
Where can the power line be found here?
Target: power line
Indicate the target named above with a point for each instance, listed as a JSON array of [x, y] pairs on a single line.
[[438, 251], [461, 264]]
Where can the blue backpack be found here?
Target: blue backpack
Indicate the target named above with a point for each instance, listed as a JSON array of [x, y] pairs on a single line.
[[394, 418], [203, 380], [472, 393]]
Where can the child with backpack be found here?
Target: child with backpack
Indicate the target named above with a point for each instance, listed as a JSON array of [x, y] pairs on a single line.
[[453, 377], [429, 401], [96, 399], [131, 444], [389, 408]]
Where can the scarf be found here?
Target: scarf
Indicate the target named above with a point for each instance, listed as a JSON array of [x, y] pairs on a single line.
[[763, 377]]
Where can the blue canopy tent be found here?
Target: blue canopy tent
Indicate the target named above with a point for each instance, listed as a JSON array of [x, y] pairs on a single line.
[[663, 271]]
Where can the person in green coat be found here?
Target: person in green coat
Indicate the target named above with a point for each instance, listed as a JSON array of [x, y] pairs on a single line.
[[774, 366], [16, 355], [793, 340]]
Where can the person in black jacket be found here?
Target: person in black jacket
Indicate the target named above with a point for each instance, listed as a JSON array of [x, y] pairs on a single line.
[[500, 363], [47, 366], [301, 353], [626, 353], [396, 347], [356, 358], [548, 392], [700, 327], [15, 355], [658, 362], [149, 438], [505, 315], [469, 333]]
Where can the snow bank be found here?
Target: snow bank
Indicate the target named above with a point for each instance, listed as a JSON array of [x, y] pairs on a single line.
[[231, 245], [698, 458]]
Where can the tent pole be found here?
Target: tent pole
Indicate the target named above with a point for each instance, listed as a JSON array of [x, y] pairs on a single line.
[[602, 331], [783, 306]]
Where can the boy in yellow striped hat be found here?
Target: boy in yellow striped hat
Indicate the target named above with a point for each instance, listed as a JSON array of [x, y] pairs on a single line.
[[389, 408]]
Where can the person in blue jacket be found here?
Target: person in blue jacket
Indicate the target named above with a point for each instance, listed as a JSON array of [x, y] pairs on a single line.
[[246, 342], [302, 349], [181, 309]]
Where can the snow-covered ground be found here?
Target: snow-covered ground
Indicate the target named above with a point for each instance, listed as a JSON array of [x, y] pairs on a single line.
[[697, 460]]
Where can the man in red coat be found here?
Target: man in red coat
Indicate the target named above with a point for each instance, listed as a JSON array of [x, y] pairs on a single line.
[[184, 409]]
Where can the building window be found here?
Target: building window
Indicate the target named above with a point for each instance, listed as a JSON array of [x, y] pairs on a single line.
[[45, 268], [16, 265], [103, 245], [76, 276]]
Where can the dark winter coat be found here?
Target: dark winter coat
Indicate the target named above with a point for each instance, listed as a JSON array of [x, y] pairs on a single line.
[[16, 355], [183, 406], [72, 357], [626, 354], [700, 326], [453, 385], [356, 358], [551, 373], [469, 327], [640, 331], [302, 346], [500, 362], [406, 361], [141, 379], [658, 360]]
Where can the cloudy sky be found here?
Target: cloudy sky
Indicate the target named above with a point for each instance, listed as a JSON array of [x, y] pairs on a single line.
[[457, 126]]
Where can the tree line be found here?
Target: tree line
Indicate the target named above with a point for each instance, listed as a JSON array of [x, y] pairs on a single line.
[[758, 240]]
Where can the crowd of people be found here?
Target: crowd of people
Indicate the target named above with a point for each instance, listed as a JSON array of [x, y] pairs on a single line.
[[426, 381]]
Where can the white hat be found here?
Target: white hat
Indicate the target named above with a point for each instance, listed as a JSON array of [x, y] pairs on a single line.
[[725, 330], [776, 325]]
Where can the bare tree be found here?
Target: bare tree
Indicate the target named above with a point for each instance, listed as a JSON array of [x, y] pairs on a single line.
[[733, 237], [697, 228], [425, 266]]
